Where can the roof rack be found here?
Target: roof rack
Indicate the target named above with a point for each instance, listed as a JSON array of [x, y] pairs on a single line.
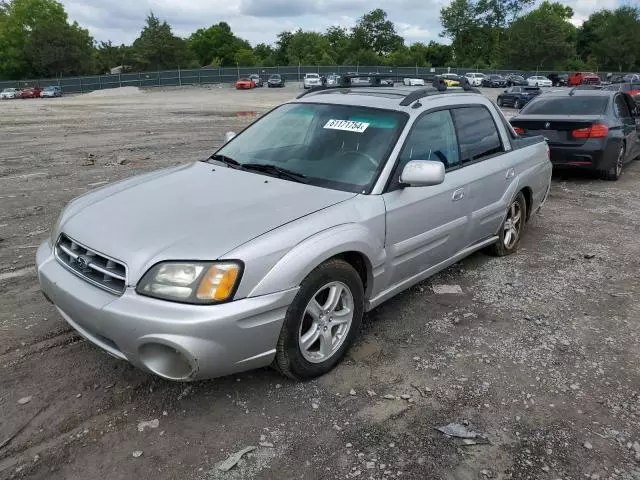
[[438, 87], [584, 87]]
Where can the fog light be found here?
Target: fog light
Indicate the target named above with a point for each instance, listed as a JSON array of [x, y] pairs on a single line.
[[165, 361]]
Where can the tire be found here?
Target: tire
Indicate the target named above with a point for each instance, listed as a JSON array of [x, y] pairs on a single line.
[[516, 104], [500, 103], [290, 359], [615, 170], [507, 244]]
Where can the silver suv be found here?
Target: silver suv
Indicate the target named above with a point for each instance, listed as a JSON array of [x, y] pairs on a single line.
[[271, 251]]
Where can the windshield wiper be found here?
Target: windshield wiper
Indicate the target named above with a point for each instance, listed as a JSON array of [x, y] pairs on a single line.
[[230, 162], [274, 170]]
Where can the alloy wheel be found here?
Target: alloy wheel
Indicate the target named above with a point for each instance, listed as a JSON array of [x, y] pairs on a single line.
[[512, 225], [326, 322]]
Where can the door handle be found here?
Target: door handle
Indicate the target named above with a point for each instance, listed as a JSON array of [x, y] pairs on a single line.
[[510, 174], [458, 195]]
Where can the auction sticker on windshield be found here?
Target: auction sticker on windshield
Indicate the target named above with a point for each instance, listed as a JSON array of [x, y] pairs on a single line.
[[346, 125]]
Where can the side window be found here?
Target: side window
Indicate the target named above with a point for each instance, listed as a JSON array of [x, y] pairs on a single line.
[[621, 107], [477, 133], [515, 89], [432, 137]]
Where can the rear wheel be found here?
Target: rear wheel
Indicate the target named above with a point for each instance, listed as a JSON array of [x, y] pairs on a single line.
[[516, 104], [321, 322], [500, 102], [512, 228], [614, 172]]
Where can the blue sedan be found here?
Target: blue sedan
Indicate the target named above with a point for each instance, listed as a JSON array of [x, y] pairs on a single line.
[[517, 97]]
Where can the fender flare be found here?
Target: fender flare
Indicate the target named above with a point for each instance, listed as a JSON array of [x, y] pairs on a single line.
[[302, 259]]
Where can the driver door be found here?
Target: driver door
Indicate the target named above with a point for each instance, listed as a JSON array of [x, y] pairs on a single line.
[[426, 225]]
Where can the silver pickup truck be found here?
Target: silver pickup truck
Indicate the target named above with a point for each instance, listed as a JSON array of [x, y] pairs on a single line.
[[271, 250]]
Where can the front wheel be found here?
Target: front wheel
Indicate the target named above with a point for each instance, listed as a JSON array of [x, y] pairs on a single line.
[[321, 322], [512, 228], [500, 102], [516, 104]]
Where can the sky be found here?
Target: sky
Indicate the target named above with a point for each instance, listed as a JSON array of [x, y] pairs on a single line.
[[261, 20]]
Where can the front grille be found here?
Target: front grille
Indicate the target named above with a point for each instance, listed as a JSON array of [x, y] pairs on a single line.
[[94, 267]]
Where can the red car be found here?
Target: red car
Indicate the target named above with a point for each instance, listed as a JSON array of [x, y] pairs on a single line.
[[583, 78], [30, 92], [245, 83]]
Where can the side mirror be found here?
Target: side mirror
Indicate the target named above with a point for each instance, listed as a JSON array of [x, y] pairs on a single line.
[[228, 136], [422, 173]]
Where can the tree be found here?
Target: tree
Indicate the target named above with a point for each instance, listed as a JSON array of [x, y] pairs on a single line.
[[374, 32], [476, 28], [339, 43], [611, 38], [108, 56], [36, 39], [265, 55], [542, 39], [245, 58], [59, 50], [158, 48], [217, 41]]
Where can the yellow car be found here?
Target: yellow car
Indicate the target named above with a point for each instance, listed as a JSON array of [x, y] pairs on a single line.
[[451, 79]]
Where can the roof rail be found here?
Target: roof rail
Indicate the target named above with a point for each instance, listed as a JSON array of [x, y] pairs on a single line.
[[584, 87], [438, 87]]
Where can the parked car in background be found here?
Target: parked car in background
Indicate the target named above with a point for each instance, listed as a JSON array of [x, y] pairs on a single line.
[[332, 79], [631, 77], [583, 78], [30, 92], [539, 81], [515, 80], [257, 79], [275, 80], [558, 80], [585, 128], [311, 80], [475, 78], [451, 79], [51, 91], [494, 81], [517, 97], [9, 93], [413, 82], [245, 84], [301, 237]]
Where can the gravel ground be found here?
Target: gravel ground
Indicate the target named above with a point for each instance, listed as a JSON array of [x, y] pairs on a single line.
[[539, 352]]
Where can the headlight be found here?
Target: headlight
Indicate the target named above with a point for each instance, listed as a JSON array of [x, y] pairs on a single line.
[[191, 282]]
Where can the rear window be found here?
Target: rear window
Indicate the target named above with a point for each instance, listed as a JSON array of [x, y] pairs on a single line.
[[576, 105]]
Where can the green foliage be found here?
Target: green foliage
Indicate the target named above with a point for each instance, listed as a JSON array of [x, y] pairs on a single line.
[[217, 41], [157, 48], [611, 38], [36, 39], [555, 39]]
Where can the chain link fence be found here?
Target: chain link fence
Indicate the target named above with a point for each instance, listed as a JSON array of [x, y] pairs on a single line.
[[208, 76]]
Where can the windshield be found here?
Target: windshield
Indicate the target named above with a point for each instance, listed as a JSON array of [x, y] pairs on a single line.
[[335, 146], [312, 75], [576, 105]]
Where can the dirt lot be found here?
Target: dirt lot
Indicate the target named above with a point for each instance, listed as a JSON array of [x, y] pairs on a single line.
[[540, 352]]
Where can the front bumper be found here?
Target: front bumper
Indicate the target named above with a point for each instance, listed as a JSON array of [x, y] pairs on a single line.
[[173, 340]]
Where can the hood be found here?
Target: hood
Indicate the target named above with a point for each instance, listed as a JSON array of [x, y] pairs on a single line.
[[196, 212]]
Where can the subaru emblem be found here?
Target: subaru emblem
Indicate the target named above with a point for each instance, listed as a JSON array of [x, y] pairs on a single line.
[[83, 262], [547, 125]]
